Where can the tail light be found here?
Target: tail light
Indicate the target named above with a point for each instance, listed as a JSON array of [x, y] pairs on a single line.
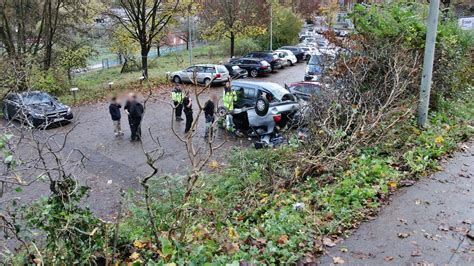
[[218, 75], [277, 118], [264, 66]]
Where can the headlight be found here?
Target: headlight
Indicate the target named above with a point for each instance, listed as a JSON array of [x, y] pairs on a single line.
[[69, 110], [37, 115]]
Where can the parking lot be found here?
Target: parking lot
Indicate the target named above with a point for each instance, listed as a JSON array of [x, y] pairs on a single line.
[[116, 163]]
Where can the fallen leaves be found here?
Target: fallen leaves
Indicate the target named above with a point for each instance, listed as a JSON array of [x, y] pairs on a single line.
[[443, 227], [328, 242], [416, 253], [403, 235], [388, 258], [337, 260], [283, 239]]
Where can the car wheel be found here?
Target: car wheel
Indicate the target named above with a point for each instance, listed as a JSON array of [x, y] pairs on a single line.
[[207, 82], [177, 79], [254, 73], [290, 63], [261, 106], [5, 112]]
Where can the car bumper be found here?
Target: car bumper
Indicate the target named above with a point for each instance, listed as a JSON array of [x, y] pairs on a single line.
[[47, 121]]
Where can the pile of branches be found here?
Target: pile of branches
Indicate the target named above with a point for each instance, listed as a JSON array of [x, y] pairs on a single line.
[[367, 90]]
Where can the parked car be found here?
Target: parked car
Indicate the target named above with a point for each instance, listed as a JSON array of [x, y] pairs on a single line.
[[297, 51], [202, 74], [284, 63], [308, 50], [262, 107], [35, 108], [288, 56], [314, 69], [255, 67], [306, 90], [268, 56], [236, 72]]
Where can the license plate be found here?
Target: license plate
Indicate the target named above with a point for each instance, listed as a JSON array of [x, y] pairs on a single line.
[[58, 119]]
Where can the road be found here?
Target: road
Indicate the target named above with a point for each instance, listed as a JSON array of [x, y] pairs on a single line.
[[115, 163], [425, 224]]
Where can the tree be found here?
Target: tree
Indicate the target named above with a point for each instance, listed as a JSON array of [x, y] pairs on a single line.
[[125, 47], [74, 57], [31, 26], [286, 26], [145, 20], [234, 18]]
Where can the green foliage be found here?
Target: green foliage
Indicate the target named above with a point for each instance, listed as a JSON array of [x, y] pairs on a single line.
[[404, 22], [73, 233], [53, 81], [286, 26], [73, 58], [242, 46]]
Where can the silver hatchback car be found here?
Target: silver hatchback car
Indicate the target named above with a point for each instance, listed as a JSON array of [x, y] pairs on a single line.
[[202, 74]]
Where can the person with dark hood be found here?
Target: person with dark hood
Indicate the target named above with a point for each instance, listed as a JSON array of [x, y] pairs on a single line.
[[114, 110], [188, 111], [209, 110], [135, 112], [177, 98]]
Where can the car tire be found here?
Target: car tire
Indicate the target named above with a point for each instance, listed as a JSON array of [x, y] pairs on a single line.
[[254, 73], [261, 106], [177, 79], [207, 81], [6, 116], [290, 63]]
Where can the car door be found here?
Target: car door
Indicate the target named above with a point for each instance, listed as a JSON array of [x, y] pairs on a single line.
[[202, 72], [188, 74]]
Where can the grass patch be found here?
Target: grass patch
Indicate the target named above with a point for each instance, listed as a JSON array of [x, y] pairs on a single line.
[[93, 85]]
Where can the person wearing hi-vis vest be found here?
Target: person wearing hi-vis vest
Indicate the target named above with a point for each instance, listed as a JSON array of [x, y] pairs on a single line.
[[229, 98], [177, 98]]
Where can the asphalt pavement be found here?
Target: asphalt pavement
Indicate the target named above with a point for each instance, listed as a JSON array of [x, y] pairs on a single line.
[[115, 164], [429, 223]]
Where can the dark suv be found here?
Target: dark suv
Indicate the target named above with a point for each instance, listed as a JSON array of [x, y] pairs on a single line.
[[255, 67], [297, 51], [268, 56], [35, 108]]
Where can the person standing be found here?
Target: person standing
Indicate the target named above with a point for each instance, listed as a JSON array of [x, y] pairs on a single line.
[[229, 98], [177, 98], [114, 110], [188, 111], [209, 110], [135, 112]]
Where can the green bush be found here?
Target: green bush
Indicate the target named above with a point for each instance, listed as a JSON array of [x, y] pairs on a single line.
[[53, 81], [242, 46]]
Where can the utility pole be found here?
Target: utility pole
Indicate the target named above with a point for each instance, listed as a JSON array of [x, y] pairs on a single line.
[[426, 79], [271, 26], [190, 37]]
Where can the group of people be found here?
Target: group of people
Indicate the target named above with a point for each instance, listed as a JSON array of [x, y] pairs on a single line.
[[134, 109], [182, 103]]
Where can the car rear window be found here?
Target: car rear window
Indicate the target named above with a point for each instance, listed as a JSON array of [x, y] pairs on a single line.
[[221, 69]]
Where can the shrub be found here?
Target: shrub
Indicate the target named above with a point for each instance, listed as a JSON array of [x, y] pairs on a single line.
[[242, 46]]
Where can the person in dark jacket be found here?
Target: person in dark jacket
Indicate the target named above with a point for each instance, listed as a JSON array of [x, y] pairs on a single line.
[[135, 112], [209, 110], [114, 109], [188, 111]]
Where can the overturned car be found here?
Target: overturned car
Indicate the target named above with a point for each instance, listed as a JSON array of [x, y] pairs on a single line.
[[262, 107]]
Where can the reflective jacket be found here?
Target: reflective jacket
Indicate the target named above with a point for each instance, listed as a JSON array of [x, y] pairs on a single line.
[[229, 98], [177, 95]]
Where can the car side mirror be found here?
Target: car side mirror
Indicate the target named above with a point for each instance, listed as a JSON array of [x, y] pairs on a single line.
[[286, 86]]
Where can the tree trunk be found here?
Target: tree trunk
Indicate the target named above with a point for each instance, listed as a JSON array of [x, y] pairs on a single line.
[[232, 44], [144, 53]]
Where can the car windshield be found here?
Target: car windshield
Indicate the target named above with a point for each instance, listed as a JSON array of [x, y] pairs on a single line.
[[314, 60], [37, 98], [221, 69]]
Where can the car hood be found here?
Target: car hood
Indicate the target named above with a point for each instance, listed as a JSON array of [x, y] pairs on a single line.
[[50, 107], [314, 69]]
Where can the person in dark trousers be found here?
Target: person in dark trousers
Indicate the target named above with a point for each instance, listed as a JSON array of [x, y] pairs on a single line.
[[114, 110], [188, 112], [209, 110], [135, 112], [177, 98]]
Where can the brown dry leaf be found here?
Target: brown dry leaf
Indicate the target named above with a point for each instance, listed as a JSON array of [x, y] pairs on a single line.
[[283, 239], [138, 244], [231, 248], [337, 260], [134, 256], [403, 235], [388, 258], [467, 222], [443, 227], [416, 253], [328, 242]]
